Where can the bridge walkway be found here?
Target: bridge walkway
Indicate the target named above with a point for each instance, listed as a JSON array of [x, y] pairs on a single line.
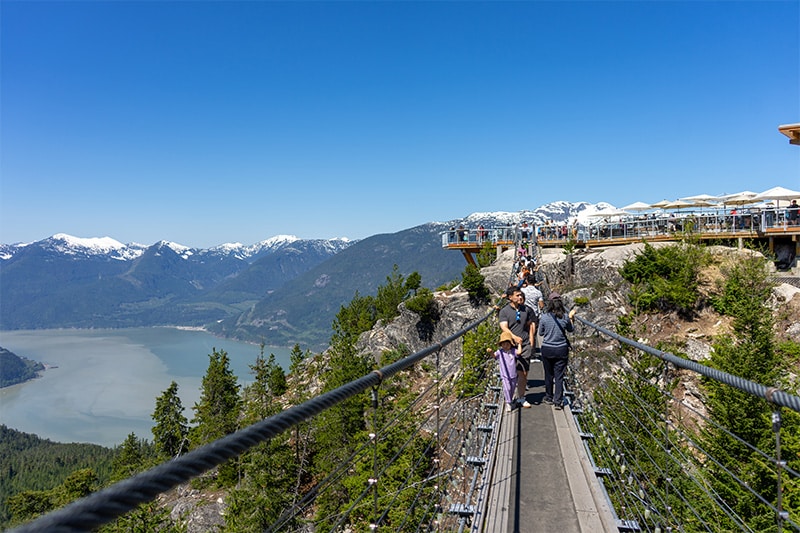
[[542, 479]]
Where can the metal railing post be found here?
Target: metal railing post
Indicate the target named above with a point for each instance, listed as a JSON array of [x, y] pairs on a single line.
[[374, 481], [781, 515]]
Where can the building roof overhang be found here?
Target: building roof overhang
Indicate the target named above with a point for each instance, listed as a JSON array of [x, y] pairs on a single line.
[[792, 131]]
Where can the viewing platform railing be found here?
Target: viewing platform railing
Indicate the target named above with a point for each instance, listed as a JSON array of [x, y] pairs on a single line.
[[707, 224]]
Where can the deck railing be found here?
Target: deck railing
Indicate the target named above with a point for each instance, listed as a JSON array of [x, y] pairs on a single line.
[[708, 223]]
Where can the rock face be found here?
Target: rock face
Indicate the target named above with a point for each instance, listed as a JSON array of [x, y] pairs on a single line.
[[594, 278], [456, 312], [199, 512]]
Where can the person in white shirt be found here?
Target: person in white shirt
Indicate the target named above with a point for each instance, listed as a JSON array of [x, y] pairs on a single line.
[[534, 299]]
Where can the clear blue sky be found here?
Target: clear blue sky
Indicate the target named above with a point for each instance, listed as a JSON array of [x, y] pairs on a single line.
[[211, 122]]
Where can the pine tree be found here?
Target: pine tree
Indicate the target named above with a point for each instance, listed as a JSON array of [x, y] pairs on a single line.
[[171, 427]]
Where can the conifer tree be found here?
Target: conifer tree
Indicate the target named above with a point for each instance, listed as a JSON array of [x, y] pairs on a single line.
[[276, 376], [133, 456], [414, 282], [269, 469], [748, 352], [391, 295], [473, 281], [338, 428], [217, 412], [130, 458], [171, 426], [296, 358], [301, 433]]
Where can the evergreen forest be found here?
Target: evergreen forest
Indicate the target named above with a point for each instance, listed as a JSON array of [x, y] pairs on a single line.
[[15, 369]]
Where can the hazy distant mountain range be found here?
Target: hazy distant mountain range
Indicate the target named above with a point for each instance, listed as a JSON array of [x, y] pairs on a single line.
[[283, 290]]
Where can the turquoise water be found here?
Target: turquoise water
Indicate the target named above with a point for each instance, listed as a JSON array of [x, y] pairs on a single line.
[[101, 385]]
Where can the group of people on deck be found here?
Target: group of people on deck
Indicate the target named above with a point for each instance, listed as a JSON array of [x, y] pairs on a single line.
[[527, 317]]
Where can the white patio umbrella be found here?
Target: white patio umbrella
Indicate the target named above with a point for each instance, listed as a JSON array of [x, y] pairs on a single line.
[[637, 206], [679, 204], [704, 203], [748, 194], [778, 193], [700, 198], [740, 199], [661, 204], [609, 213]]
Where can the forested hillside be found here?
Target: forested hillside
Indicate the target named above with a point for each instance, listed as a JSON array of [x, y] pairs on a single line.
[[15, 369], [29, 464]]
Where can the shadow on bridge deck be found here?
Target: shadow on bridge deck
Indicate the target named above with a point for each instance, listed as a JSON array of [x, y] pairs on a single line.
[[542, 480]]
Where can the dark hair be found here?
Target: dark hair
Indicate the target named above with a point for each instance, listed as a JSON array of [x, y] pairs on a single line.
[[531, 279], [556, 306], [511, 290]]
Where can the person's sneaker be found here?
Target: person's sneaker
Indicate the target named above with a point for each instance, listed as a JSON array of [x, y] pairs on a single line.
[[548, 401], [508, 408], [526, 404], [559, 407]]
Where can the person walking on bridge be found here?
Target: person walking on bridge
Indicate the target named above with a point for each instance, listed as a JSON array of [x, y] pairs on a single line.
[[553, 325], [507, 361], [515, 318], [535, 302]]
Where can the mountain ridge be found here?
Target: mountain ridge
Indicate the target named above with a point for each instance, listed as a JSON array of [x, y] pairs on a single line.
[[282, 290]]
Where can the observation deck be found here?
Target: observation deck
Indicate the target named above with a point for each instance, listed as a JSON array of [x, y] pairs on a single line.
[[766, 227]]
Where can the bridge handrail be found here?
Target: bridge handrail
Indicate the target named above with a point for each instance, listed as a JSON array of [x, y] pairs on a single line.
[[103, 506], [771, 394]]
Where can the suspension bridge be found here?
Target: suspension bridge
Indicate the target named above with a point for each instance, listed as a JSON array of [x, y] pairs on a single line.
[[525, 471], [621, 456]]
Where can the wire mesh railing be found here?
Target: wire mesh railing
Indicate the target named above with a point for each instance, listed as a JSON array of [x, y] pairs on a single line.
[[431, 497], [668, 465]]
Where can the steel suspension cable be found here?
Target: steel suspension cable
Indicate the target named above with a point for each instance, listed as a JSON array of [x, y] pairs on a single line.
[[771, 394], [104, 506]]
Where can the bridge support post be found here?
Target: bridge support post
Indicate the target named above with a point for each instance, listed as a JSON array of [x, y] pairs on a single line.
[[468, 256], [796, 249]]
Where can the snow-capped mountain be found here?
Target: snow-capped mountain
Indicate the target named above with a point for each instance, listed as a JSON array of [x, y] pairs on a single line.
[[278, 290], [555, 212], [61, 243], [107, 247], [66, 281]]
